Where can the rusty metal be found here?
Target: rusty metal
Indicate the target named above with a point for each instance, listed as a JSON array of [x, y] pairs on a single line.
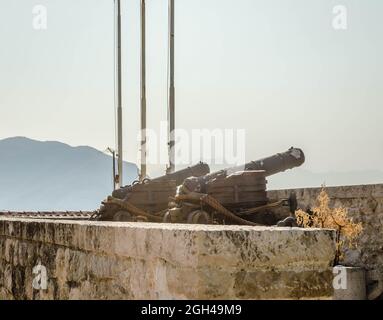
[[150, 195], [199, 217], [178, 177], [129, 207], [280, 162], [237, 194], [213, 203], [244, 189]]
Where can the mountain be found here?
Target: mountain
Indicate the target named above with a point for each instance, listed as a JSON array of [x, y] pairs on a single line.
[[36, 175]]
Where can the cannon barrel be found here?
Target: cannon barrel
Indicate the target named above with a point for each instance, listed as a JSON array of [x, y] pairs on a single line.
[[292, 158], [198, 170]]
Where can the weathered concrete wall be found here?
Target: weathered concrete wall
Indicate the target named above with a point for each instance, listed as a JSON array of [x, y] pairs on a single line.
[[95, 260], [365, 204]]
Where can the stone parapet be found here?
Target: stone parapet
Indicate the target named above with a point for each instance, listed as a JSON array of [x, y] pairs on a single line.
[[100, 260]]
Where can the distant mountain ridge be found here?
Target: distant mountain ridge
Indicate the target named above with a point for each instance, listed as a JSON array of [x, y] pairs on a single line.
[[50, 175]]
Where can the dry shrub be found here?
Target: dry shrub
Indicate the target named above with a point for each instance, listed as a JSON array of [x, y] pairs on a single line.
[[322, 216]]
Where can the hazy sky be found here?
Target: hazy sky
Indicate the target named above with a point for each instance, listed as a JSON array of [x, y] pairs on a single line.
[[276, 68]]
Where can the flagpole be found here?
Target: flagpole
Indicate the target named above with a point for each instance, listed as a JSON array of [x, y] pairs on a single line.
[[119, 97], [143, 91], [171, 100]]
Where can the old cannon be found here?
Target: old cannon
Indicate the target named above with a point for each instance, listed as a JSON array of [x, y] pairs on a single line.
[[277, 163], [147, 199], [234, 195]]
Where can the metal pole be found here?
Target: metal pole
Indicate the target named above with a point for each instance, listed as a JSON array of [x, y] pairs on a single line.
[[119, 97], [171, 107], [143, 91], [114, 170], [113, 153]]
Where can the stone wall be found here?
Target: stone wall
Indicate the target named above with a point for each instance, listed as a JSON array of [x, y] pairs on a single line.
[[365, 204], [97, 260]]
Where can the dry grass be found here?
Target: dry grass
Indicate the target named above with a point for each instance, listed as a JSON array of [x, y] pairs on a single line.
[[322, 216]]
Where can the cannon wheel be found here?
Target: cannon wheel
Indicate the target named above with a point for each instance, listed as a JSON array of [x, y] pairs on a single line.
[[122, 216], [199, 217]]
